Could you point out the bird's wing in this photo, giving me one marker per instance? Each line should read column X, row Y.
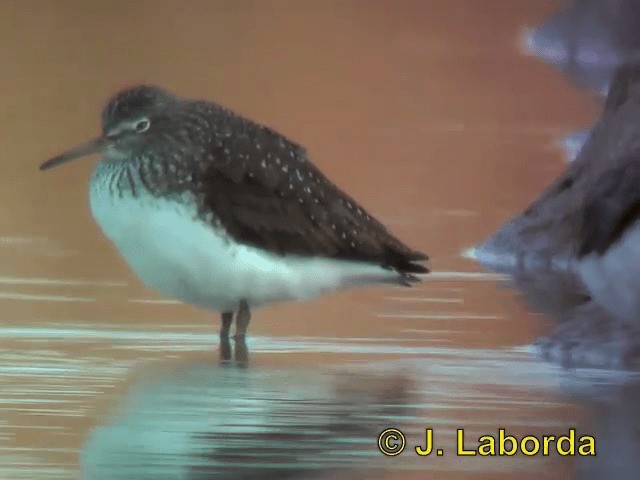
column 612, row 206
column 264, row 191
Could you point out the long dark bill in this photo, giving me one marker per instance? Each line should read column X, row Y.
column 94, row 146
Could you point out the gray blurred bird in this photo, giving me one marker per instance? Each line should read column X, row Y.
column 586, row 225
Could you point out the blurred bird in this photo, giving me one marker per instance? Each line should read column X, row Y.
column 586, row 225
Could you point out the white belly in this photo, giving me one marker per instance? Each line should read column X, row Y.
column 186, row 259
column 613, row 279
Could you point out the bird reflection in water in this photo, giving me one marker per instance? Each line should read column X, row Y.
column 614, row 407
column 586, row 335
column 208, row 423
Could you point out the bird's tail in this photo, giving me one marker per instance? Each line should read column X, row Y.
column 408, row 265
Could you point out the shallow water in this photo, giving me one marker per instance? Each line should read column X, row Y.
column 425, row 111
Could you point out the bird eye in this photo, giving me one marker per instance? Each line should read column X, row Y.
column 143, row 125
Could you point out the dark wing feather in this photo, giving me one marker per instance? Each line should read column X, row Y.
column 625, row 85
column 611, row 207
column 266, row 193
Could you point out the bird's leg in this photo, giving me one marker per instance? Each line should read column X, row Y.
column 242, row 320
column 227, row 320
column 225, row 346
column 225, row 350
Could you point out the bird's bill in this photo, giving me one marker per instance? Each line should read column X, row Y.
column 94, row 146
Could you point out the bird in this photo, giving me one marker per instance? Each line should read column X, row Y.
column 217, row 211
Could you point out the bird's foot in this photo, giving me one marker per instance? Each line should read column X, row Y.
column 242, row 351
column 225, row 349
column 225, row 345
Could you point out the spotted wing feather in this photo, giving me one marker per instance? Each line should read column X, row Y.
column 266, row 193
